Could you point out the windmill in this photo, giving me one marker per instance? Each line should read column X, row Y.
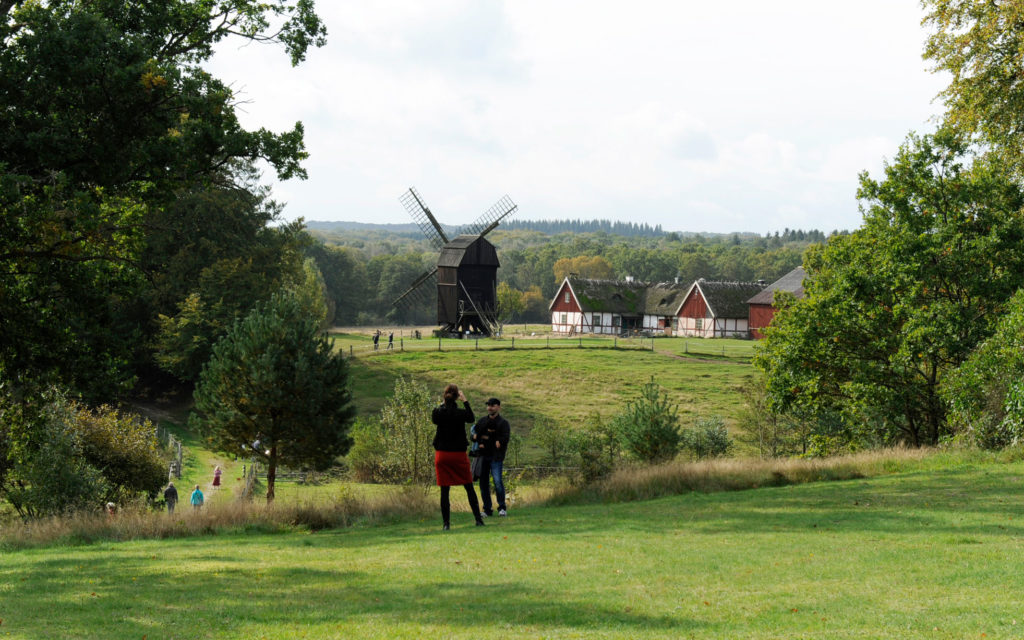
column 466, row 274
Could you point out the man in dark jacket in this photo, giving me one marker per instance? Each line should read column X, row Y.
column 170, row 497
column 492, row 432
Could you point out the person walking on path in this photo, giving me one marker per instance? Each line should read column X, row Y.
column 170, row 497
column 376, row 339
column 197, row 499
column 451, row 464
column 391, row 340
column 216, row 476
column 492, row 432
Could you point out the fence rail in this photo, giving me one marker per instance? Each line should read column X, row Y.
column 502, row 344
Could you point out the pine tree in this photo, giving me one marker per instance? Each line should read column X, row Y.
column 274, row 379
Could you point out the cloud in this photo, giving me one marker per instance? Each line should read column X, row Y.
column 699, row 117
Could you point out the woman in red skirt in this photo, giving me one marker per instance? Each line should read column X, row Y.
column 450, row 460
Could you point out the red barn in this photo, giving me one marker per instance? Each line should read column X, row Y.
column 762, row 306
column 716, row 309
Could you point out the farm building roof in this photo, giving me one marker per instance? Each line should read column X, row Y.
column 469, row 249
column 792, row 282
column 627, row 297
column 664, row 298
column 727, row 299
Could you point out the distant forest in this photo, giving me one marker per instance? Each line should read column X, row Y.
column 628, row 229
column 367, row 266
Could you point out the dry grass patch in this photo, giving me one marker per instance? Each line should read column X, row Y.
column 132, row 524
column 733, row 474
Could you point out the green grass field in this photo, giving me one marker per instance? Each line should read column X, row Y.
column 566, row 383
column 929, row 553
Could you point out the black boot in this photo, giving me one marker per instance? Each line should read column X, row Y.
column 479, row 521
column 446, row 527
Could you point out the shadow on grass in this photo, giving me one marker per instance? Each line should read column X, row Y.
column 239, row 596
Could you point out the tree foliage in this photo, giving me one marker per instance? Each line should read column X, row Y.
column 405, row 420
column 274, row 378
column 981, row 45
column 892, row 308
column 595, row 267
column 648, row 427
column 58, row 456
column 986, row 394
column 106, row 120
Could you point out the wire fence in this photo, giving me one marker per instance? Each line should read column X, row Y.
column 499, row 344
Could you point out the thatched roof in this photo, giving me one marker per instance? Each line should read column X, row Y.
column 792, row 282
column 627, row 297
column 728, row 299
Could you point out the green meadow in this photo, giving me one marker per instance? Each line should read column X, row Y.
column 929, row 552
column 920, row 546
column 564, row 380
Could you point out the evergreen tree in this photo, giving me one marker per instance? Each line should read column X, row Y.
column 274, row 379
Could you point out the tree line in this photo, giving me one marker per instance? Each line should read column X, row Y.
column 365, row 272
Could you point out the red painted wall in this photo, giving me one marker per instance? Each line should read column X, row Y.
column 560, row 304
column 760, row 316
column 694, row 307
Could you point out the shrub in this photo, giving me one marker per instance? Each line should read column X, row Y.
column 552, row 438
column 985, row 394
column 395, row 445
column 595, row 448
column 58, row 456
column 708, row 438
column 649, row 427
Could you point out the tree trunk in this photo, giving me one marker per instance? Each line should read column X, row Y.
column 271, row 473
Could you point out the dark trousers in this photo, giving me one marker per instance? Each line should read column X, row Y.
column 492, row 469
column 446, row 507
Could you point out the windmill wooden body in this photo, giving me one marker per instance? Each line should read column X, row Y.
column 466, row 274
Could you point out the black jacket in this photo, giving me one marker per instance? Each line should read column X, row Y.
column 489, row 432
column 451, row 424
column 171, row 494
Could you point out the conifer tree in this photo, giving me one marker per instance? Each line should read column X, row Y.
column 273, row 386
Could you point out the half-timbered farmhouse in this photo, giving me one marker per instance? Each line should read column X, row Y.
column 762, row 306
column 584, row 305
column 716, row 309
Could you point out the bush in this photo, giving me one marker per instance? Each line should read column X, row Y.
column 554, row 439
column 595, row 448
column 708, row 438
column 985, row 394
column 395, row 446
column 57, row 456
column 649, row 427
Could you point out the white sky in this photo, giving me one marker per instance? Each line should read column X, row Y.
column 743, row 115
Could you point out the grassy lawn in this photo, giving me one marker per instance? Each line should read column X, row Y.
column 563, row 384
column 924, row 554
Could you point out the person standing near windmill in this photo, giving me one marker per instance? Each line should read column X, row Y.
column 451, row 464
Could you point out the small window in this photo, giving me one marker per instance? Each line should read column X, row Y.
column 597, row 320
column 564, row 319
column 698, row 324
column 616, row 321
column 566, row 297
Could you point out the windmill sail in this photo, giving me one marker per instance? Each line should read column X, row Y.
column 417, row 290
column 422, row 216
column 489, row 219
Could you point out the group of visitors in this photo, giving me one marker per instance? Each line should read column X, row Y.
column 197, row 499
column 490, row 437
column 376, row 340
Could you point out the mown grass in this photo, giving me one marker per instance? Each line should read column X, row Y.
column 563, row 385
column 924, row 553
